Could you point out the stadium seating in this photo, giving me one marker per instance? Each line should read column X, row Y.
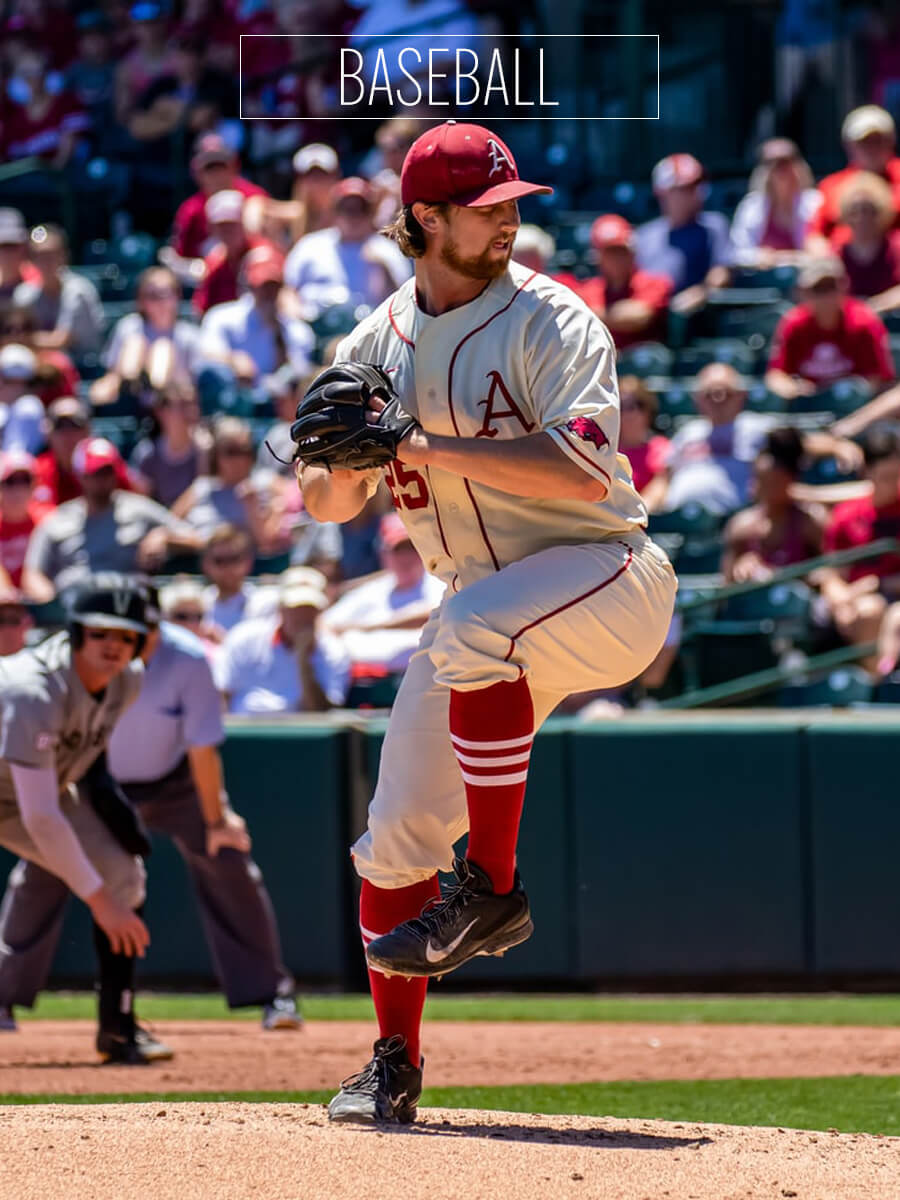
column 839, row 689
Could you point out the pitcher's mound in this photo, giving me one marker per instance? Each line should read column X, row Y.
column 233, row 1151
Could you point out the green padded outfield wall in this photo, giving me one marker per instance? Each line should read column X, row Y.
column 722, row 847
column 690, row 849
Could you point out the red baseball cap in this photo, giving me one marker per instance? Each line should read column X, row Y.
column 263, row 264
column 611, row 230
column 353, row 186
column 16, row 462
column 462, row 164
column 93, row 454
column 677, row 170
column 392, row 532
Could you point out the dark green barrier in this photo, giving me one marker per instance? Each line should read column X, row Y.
column 544, row 863
column 689, row 849
column 856, row 846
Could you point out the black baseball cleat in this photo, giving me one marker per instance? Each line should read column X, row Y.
column 468, row 920
column 386, row 1090
column 133, row 1049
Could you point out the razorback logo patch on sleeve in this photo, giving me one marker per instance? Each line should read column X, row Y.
column 589, row 431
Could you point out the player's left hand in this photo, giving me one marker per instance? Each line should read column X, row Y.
column 231, row 832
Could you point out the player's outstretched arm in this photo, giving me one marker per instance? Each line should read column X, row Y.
column 531, row 466
column 335, row 495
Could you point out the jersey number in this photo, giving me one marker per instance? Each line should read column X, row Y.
column 407, row 487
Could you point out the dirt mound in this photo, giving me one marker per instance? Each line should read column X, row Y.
column 58, row 1057
column 232, row 1151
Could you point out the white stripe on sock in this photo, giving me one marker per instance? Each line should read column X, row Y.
column 494, row 780
column 499, row 760
column 506, row 744
column 368, row 935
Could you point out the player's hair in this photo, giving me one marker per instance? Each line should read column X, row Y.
column 879, row 443
column 225, row 535
column 406, row 231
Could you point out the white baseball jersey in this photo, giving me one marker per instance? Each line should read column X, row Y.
column 526, row 356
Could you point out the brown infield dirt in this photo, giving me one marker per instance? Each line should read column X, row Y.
column 285, row 1151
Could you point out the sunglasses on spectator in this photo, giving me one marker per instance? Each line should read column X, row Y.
column 780, row 160
column 234, row 451
column 228, row 560
column 632, row 404
column 11, row 620
column 862, row 208
column 159, row 294
column 119, row 635
column 824, row 287
column 186, row 618
column 717, row 393
column 70, row 423
column 17, row 479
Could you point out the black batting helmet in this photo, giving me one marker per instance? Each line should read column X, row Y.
column 108, row 600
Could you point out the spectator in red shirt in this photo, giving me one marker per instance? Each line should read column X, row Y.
column 870, row 139
column 14, row 265
column 19, row 514
column 214, row 167
column 45, row 125
column 55, row 481
column 631, row 302
column 647, row 452
column 224, row 217
column 868, row 247
column 827, row 337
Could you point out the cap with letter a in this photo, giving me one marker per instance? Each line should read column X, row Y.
column 462, row 164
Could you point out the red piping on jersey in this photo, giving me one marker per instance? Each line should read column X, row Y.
column 587, row 458
column 396, row 328
column 562, row 608
column 471, row 333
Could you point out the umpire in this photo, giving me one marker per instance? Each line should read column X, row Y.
column 58, row 705
column 164, row 752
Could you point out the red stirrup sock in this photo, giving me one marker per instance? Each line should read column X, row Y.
column 492, row 730
column 398, row 1002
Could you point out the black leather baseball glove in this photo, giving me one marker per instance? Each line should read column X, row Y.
column 331, row 429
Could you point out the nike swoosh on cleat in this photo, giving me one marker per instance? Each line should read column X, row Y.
column 436, row 955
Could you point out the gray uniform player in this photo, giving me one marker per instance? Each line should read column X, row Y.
column 165, row 754
column 58, row 705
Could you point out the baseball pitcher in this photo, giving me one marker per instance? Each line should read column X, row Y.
column 487, row 395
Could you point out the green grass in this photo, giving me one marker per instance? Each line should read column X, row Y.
column 855, row 1103
column 788, row 1010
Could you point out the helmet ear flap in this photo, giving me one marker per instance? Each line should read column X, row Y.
column 76, row 635
column 139, row 645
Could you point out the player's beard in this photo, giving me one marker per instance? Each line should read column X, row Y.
column 481, row 266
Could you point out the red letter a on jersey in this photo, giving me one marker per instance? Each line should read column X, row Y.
column 490, row 413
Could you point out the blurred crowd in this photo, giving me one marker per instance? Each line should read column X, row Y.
column 152, row 433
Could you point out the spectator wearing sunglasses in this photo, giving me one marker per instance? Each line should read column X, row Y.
column 867, row 244
column 828, row 336
column 214, row 167
column 771, row 222
column 645, row 450
column 69, row 423
column 711, row 458
column 168, row 461
column 19, row 514
column 235, row 492
column 230, row 597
